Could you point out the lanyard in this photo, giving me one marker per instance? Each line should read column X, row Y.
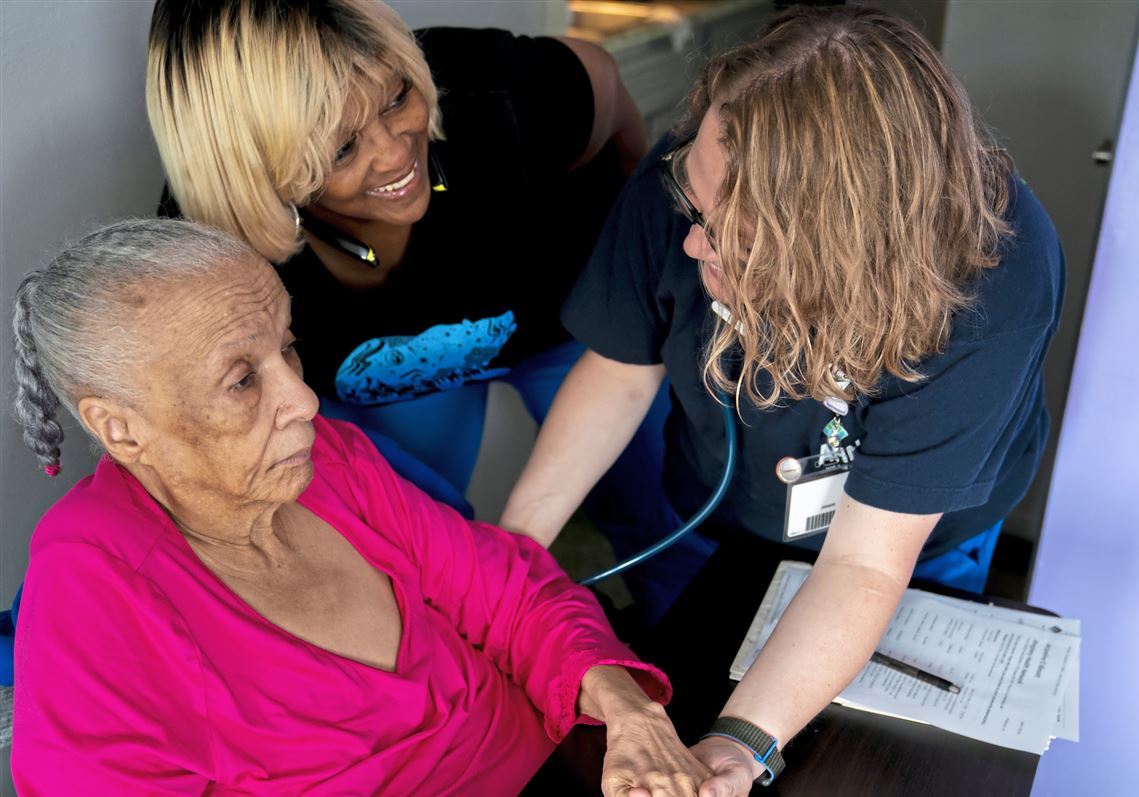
column 833, row 432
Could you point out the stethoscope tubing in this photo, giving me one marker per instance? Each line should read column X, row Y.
column 701, row 514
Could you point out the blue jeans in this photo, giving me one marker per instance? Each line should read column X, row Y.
column 966, row 566
column 433, row 442
column 8, row 641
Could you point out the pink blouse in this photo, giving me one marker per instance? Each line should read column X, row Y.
column 139, row 672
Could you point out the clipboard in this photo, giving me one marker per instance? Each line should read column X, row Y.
column 1020, row 677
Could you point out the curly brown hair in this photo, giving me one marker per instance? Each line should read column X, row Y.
column 861, row 201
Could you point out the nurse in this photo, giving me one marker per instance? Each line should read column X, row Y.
column 833, row 247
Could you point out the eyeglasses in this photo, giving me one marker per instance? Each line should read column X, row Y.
column 673, row 170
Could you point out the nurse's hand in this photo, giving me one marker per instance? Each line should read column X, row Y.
column 734, row 766
column 645, row 758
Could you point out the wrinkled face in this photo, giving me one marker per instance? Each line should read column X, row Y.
column 380, row 172
column 226, row 418
column 704, row 168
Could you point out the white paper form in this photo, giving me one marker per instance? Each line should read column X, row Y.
column 1012, row 676
column 1018, row 671
column 1068, row 716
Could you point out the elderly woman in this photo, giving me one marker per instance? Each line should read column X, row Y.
column 428, row 199
column 244, row 599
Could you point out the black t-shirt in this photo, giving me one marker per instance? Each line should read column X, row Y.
column 488, row 266
column 966, row 441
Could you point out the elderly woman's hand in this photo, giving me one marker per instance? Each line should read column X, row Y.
column 644, row 756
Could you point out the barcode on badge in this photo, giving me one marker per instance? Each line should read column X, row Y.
column 818, row 522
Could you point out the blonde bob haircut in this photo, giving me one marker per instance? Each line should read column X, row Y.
column 250, row 99
column 860, row 203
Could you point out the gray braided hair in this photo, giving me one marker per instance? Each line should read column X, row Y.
column 71, row 319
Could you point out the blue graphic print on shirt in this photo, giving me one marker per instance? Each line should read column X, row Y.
column 445, row 356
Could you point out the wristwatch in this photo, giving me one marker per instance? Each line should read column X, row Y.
column 763, row 745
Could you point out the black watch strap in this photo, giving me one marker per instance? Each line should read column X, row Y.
column 763, row 745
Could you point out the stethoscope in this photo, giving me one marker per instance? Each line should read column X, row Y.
column 701, row 514
column 833, row 432
column 714, row 499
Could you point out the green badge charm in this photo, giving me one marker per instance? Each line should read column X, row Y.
column 834, row 432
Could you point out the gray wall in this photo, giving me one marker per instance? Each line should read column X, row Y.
column 75, row 151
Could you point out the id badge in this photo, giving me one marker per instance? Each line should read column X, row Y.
column 812, row 500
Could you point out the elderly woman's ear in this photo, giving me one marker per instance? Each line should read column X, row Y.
column 115, row 426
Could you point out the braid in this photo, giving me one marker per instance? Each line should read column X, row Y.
column 36, row 402
column 72, row 318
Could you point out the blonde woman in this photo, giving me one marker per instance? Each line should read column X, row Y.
column 429, row 199
column 835, row 249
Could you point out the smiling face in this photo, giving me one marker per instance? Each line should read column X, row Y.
column 225, row 420
column 703, row 169
column 379, row 173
